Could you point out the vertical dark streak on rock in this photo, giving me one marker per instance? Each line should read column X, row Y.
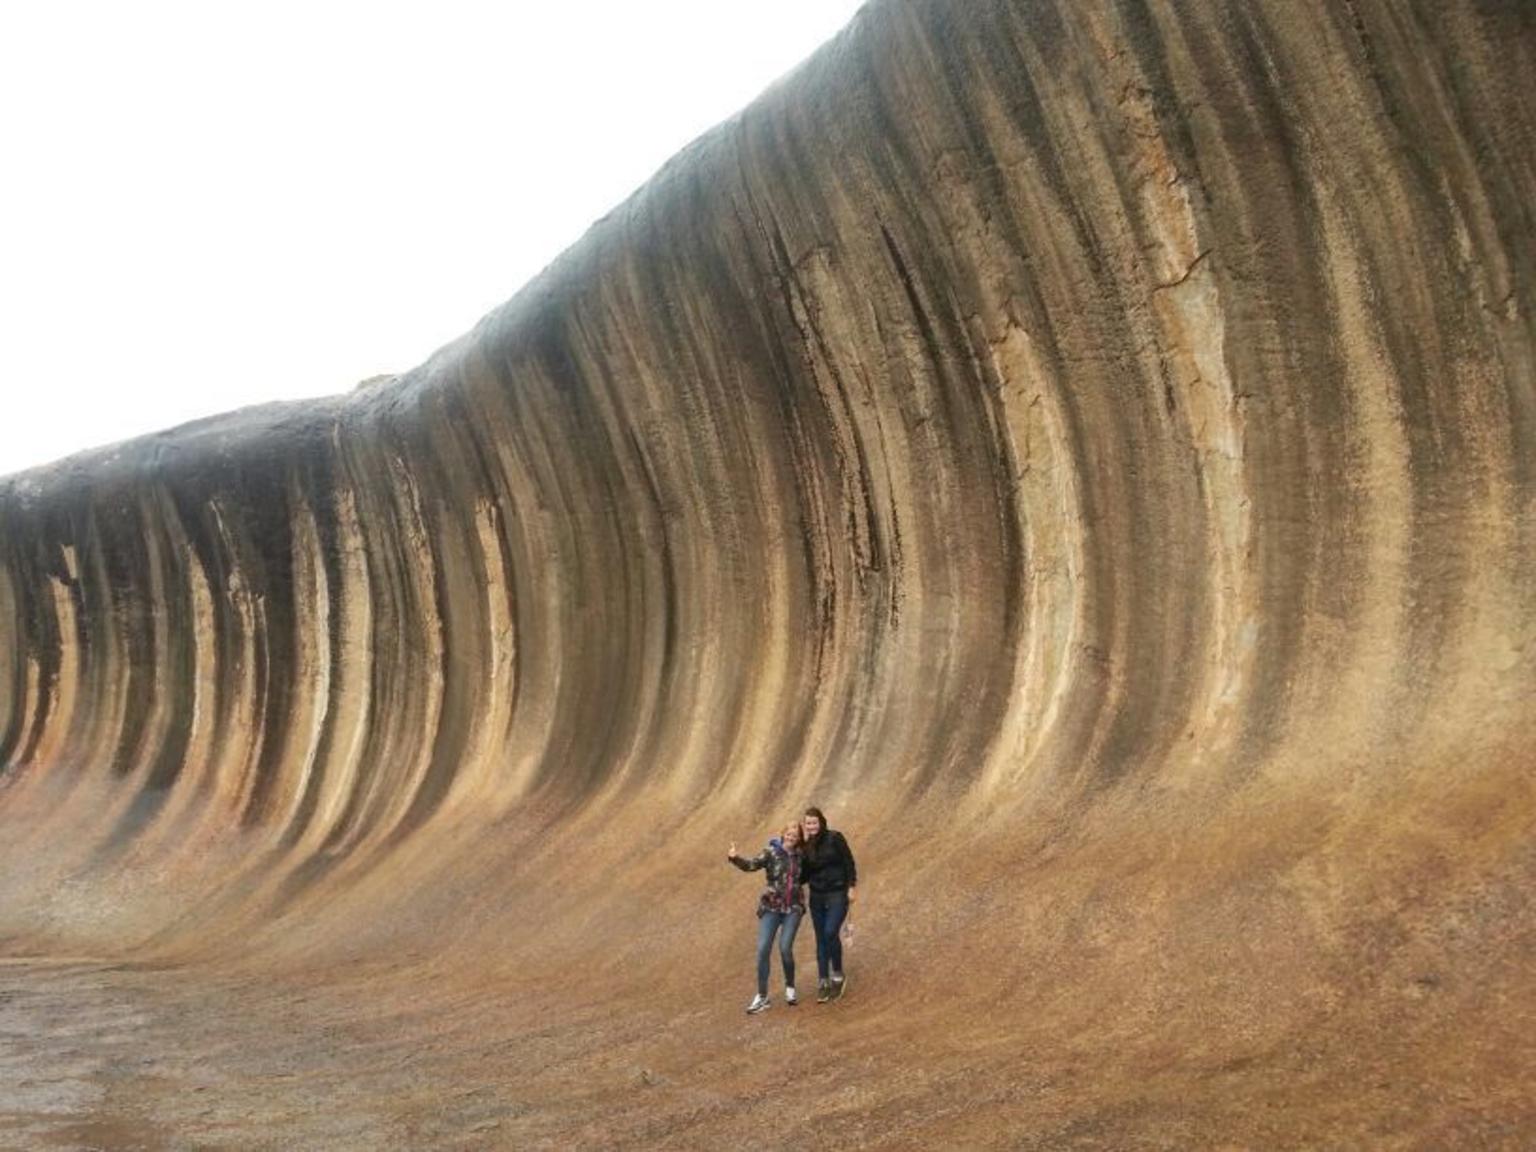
column 811, row 500
column 271, row 560
column 318, row 478
column 1271, row 241
column 167, row 765
column 604, row 700
column 12, row 652
column 503, row 499
column 168, row 761
column 666, row 659
column 79, row 635
column 963, row 756
column 364, row 472
column 119, row 532
column 454, row 497
column 39, row 647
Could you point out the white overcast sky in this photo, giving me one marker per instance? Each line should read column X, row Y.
column 208, row 205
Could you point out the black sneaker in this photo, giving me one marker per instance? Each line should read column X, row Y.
column 838, row 984
column 823, row 991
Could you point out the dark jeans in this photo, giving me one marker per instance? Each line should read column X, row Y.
column 828, row 911
column 767, row 924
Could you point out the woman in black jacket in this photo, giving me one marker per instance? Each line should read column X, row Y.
column 833, row 879
column 779, row 909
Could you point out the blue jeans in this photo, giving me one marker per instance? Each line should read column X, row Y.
column 768, row 924
column 828, row 911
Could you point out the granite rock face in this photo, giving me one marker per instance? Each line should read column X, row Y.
column 1089, row 448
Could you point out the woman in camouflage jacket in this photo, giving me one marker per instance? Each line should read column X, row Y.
column 779, row 909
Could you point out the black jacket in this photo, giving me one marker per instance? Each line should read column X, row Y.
column 829, row 864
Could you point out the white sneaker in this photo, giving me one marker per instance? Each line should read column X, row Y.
column 790, row 998
column 759, row 1002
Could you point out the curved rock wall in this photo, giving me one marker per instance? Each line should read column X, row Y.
column 1024, row 412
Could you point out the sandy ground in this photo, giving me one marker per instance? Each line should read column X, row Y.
column 1108, row 991
column 103, row 1056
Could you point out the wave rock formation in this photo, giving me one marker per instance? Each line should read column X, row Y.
column 1090, row 449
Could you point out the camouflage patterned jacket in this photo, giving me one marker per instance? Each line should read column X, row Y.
column 785, row 889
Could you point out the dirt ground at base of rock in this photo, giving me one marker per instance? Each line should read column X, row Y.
column 112, row 1056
